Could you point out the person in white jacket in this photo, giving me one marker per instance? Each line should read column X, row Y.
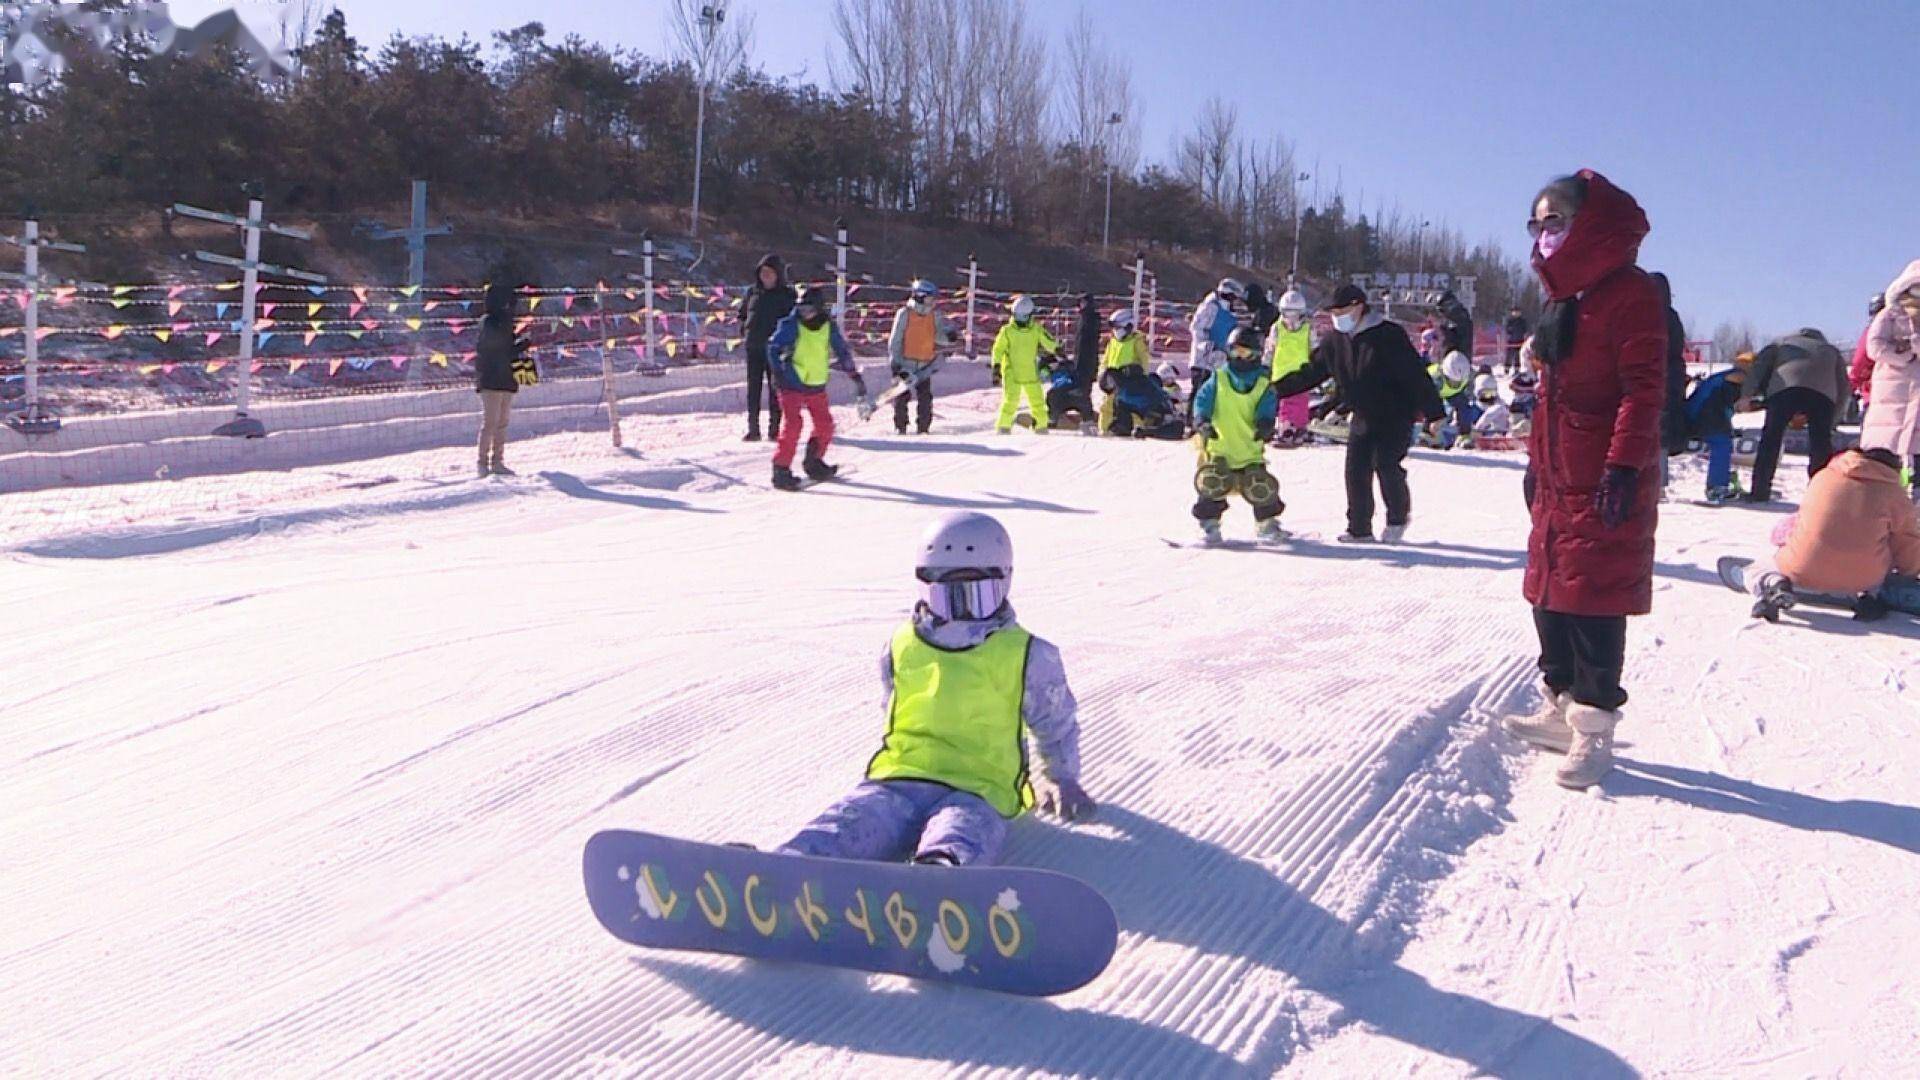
column 1893, row 343
column 1495, row 417
column 1215, row 319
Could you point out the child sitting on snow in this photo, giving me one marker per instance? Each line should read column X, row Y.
column 1856, row 535
column 967, row 690
column 1495, row 418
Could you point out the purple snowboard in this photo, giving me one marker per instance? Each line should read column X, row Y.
column 1006, row 928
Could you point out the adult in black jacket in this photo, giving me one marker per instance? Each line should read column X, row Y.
column 1379, row 378
column 768, row 301
column 493, row 357
column 1262, row 312
column 1516, row 330
column 1673, row 419
column 1086, row 344
column 1456, row 325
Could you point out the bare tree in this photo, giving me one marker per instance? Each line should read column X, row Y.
column 1097, row 87
column 1205, row 156
column 713, row 59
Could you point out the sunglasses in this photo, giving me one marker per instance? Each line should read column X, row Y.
column 1552, row 223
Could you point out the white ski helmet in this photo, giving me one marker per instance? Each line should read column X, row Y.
column 965, row 566
column 1486, row 388
column 1122, row 321
column 1231, row 287
column 1022, row 308
column 1292, row 303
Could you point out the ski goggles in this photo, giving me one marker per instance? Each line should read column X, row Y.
column 962, row 594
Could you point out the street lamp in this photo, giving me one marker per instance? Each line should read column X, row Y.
column 1294, row 271
column 1106, row 228
column 1420, row 245
column 711, row 16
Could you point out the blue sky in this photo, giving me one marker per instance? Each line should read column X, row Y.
column 1771, row 141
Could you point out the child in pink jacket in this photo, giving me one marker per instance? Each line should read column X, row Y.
column 1855, row 535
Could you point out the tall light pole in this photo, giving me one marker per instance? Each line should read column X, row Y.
column 1293, row 273
column 1106, row 228
column 1420, row 246
column 711, row 16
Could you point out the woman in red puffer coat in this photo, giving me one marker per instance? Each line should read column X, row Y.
column 1592, row 482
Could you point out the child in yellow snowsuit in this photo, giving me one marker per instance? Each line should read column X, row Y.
column 1016, row 358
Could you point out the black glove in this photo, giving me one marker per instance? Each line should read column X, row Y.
column 1207, row 432
column 1613, row 499
column 900, row 372
column 859, row 383
column 1264, row 431
column 1108, row 382
column 996, row 376
column 1527, row 486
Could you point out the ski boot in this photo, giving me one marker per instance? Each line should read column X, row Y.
column 784, row 479
column 499, row 469
column 1355, row 538
column 1721, row 496
column 486, row 469
column 752, row 435
column 1210, row 531
column 1393, row 534
column 935, row 858
column 818, row 469
column 1776, row 596
column 1270, row 532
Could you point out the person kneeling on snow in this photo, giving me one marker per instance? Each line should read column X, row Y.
column 804, row 349
column 1016, row 357
column 1495, row 418
column 1856, row 535
column 968, row 691
column 1234, row 414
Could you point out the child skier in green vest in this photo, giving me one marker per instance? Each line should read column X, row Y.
column 968, row 689
column 1235, row 416
column 1016, row 356
column 805, row 348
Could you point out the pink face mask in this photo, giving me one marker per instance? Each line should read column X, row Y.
column 1550, row 242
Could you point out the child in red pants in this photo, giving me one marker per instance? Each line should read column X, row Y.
column 804, row 349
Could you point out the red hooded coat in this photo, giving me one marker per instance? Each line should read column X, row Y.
column 1598, row 407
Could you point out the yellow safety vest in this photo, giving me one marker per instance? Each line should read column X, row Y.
column 812, row 351
column 955, row 717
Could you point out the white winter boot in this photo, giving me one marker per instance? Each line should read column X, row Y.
column 1591, row 756
column 1545, row 727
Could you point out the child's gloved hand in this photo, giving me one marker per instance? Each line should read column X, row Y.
column 1064, row 799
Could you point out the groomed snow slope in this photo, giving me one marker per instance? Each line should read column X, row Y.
column 303, row 791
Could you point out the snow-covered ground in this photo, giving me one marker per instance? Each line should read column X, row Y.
column 297, row 767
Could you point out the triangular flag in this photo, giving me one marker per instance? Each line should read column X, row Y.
column 413, row 324
column 333, row 368
column 225, row 286
column 163, row 335
column 264, row 338
column 148, row 369
column 294, row 364
column 356, row 334
column 533, row 304
column 361, row 292
column 257, row 365
column 8, row 331
column 672, row 348
column 44, row 332
column 369, row 324
column 456, row 326
column 399, row 361
column 215, row 365
column 113, row 331
column 314, row 309
column 119, row 304
column 438, row 359
column 566, row 321
column 409, row 291
column 214, row 338
column 354, row 310
column 307, row 338
column 568, row 302
column 122, row 290
column 220, row 310
column 178, row 289
column 430, row 305
column 173, row 308
column 734, row 343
